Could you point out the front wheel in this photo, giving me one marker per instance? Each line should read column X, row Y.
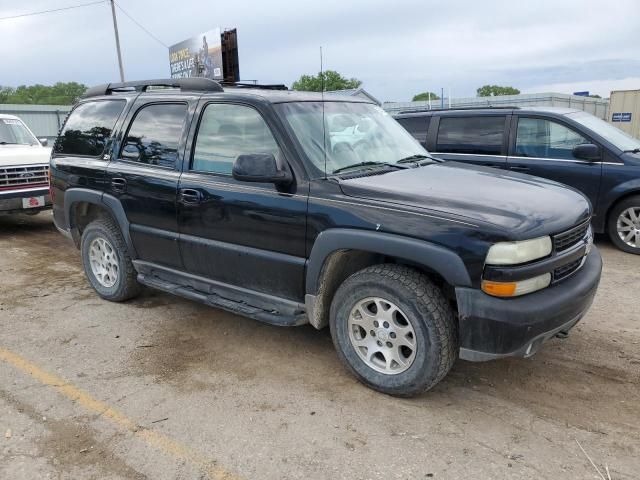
column 624, row 225
column 393, row 329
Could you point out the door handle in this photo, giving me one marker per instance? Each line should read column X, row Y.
column 190, row 196
column 118, row 184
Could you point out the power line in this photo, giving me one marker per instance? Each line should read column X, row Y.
column 52, row 10
column 139, row 25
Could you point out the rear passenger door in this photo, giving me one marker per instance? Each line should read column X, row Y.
column 476, row 139
column 544, row 147
column 144, row 174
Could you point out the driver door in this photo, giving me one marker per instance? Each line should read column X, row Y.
column 249, row 235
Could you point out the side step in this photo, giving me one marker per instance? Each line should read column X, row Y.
column 239, row 307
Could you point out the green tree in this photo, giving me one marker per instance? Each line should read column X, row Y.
column 424, row 96
column 332, row 81
column 594, row 96
column 495, row 90
column 61, row 93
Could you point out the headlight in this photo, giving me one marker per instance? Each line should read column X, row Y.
column 513, row 253
column 514, row 289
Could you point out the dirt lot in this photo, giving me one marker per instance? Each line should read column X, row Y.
column 164, row 388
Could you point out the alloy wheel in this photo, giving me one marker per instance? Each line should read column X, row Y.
column 628, row 226
column 104, row 262
column 382, row 335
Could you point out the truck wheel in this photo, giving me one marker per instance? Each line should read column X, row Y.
column 393, row 328
column 106, row 261
column 624, row 225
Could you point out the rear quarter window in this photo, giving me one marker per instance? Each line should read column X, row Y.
column 482, row 135
column 88, row 128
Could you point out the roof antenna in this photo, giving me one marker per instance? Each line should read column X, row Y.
column 324, row 128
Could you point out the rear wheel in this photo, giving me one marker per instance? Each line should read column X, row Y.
column 624, row 225
column 106, row 261
column 393, row 329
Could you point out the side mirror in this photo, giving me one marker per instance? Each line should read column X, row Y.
column 43, row 141
column 261, row 167
column 131, row 152
column 587, row 151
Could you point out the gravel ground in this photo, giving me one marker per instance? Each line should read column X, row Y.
column 164, row 388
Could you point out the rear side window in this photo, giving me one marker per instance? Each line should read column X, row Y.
column 474, row 135
column 154, row 134
column 88, row 128
column 416, row 126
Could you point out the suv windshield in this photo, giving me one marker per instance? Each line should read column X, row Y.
column 357, row 134
column 607, row 131
column 13, row 132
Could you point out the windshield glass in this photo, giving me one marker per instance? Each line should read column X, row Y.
column 613, row 134
column 355, row 133
column 13, row 131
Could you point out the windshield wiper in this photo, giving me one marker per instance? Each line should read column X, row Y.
column 8, row 143
column 415, row 158
column 368, row 164
column 635, row 150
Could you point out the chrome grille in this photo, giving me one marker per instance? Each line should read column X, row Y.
column 565, row 240
column 23, row 177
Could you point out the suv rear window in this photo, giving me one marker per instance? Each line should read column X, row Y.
column 474, row 135
column 88, row 128
column 416, row 126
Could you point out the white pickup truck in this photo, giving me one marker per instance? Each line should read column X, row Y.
column 24, row 169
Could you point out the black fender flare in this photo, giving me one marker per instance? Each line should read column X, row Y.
column 435, row 257
column 110, row 203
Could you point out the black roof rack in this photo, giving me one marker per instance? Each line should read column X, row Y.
column 275, row 86
column 194, row 84
column 480, row 107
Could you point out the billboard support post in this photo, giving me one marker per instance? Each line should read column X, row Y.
column 115, row 31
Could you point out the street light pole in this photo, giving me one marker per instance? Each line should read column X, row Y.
column 115, row 31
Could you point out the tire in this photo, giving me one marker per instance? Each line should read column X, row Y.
column 620, row 216
column 417, row 306
column 118, row 282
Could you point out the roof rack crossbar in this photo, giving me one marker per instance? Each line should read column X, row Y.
column 480, row 107
column 275, row 86
column 194, row 84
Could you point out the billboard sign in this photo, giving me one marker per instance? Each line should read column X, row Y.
column 621, row 117
column 581, row 94
column 200, row 56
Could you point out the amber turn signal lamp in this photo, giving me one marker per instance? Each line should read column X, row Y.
column 499, row 289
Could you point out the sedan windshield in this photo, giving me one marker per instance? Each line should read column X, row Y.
column 607, row 131
column 13, row 132
column 355, row 135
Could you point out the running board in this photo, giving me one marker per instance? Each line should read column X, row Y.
column 261, row 307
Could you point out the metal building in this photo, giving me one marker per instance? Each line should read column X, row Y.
column 595, row 106
column 43, row 120
column 624, row 111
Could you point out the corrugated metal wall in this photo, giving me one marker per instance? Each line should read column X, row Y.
column 625, row 104
column 595, row 106
column 43, row 120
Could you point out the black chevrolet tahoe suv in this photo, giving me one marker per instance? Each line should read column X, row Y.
column 562, row 144
column 294, row 208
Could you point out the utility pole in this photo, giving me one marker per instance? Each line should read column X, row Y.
column 115, row 31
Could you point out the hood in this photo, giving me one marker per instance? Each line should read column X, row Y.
column 18, row 155
column 523, row 205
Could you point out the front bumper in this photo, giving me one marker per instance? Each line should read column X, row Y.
column 492, row 327
column 11, row 201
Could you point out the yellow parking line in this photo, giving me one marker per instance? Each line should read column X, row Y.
column 150, row 437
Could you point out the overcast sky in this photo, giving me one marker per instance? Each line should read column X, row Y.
column 397, row 48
